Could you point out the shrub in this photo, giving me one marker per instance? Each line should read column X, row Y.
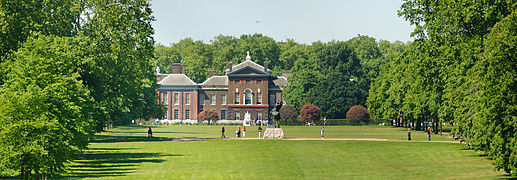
column 210, row 116
column 310, row 113
column 288, row 113
column 357, row 114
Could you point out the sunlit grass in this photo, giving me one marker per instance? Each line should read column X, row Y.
column 125, row 153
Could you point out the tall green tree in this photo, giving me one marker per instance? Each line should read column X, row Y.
column 122, row 79
column 46, row 112
column 498, row 100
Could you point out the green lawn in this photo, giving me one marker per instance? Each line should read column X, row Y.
column 137, row 133
column 125, row 153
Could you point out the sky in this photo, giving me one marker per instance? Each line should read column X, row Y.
column 304, row 21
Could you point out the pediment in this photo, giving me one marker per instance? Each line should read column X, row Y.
column 248, row 71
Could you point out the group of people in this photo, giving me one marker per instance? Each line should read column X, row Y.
column 428, row 131
column 238, row 131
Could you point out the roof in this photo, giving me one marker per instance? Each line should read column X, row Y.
column 177, row 80
column 249, row 63
column 280, row 81
column 216, row 80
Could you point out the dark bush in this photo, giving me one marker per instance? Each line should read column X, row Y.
column 310, row 113
column 358, row 115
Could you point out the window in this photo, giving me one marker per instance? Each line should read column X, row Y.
column 187, row 98
column 202, row 99
column 247, row 96
column 247, row 81
column 259, row 81
column 187, row 114
column 237, row 115
column 212, row 99
column 176, row 114
column 176, row 99
column 272, row 99
column 259, row 116
column 259, row 98
column 223, row 114
column 237, row 98
column 223, row 99
column 165, row 114
column 237, row 81
column 164, row 98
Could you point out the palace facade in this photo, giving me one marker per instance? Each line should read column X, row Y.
column 245, row 88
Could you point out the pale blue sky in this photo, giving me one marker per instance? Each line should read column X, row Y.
column 305, row 21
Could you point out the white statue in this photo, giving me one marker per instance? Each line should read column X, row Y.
column 247, row 119
column 157, row 70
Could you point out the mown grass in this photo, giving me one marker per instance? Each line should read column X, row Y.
column 129, row 157
column 139, row 133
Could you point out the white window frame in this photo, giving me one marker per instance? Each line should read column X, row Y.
column 176, row 99
column 248, row 94
column 165, row 99
column 213, row 99
column 223, row 99
column 187, row 114
column 187, row 98
column 237, row 115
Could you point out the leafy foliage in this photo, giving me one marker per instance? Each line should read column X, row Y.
column 57, row 91
column 310, row 113
column 459, row 70
column 358, row 114
column 288, row 112
column 46, row 112
column 208, row 115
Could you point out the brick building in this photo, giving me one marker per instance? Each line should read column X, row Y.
column 245, row 87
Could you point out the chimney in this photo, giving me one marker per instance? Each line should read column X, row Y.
column 176, row 68
column 183, row 69
column 286, row 74
column 229, row 66
column 265, row 66
column 211, row 73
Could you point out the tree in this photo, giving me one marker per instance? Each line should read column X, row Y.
column 46, row 113
column 165, row 56
column 21, row 17
column 358, row 114
column 310, row 113
column 498, row 77
column 288, row 113
column 457, row 46
column 122, row 80
column 343, row 84
column 208, row 115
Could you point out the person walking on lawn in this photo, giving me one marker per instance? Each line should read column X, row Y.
column 409, row 134
column 428, row 134
column 243, row 131
column 259, row 130
column 238, row 131
column 150, row 133
column 222, row 132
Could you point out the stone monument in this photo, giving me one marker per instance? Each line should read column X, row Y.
column 274, row 131
column 247, row 119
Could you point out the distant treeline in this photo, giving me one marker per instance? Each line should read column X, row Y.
column 334, row 76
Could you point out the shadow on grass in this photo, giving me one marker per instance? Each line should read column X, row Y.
column 506, row 176
column 111, row 139
column 110, row 162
